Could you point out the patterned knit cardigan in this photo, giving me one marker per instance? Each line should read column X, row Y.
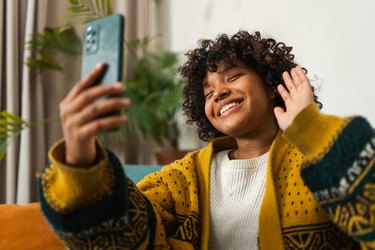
column 319, row 194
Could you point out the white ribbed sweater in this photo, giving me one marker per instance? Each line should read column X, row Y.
column 236, row 193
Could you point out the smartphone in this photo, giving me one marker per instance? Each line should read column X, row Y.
column 103, row 41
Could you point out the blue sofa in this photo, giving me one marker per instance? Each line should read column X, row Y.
column 137, row 172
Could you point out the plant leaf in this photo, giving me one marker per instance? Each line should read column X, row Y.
column 5, row 115
column 2, row 152
column 48, row 44
column 155, row 91
column 65, row 41
column 43, row 64
column 10, row 127
column 83, row 11
column 158, row 2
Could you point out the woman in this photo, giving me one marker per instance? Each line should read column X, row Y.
column 277, row 174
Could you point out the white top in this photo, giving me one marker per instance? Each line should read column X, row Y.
column 236, row 193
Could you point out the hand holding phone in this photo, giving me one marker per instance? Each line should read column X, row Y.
column 82, row 115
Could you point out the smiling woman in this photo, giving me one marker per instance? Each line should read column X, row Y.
column 271, row 151
column 262, row 56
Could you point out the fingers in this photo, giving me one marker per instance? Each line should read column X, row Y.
column 295, row 79
column 300, row 77
column 289, row 82
column 279, row 112
column 83, row 117
column 285, row 95
column 89, row 96
column 100, row 125
column 296, row 95
column 89, row 121
column 86, row 81
column 98, row 109
column 295, row 75
column 282, row 118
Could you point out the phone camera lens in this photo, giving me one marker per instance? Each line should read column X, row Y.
column 89, row 29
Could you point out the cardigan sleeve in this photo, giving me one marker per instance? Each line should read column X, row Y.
column 99, row 207
column 339, row 169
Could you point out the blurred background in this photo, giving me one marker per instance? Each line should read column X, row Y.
column 331, row 39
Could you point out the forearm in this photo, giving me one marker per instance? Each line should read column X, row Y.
column 95, row 203
column 339, row 168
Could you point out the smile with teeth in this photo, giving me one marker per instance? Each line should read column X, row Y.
column 228, row 106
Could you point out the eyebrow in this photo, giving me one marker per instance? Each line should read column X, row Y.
column 227, row 68
column 205, row 83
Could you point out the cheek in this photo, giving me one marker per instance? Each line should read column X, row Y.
column 206, row 109
column 262, row 96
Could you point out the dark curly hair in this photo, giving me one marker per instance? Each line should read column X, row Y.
column 264, row 55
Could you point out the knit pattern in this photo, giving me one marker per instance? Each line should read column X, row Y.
column 174, row 193
column 305, row 225
column 119, row 220
column 317, row 236
column 346, row 185
column 64, row 193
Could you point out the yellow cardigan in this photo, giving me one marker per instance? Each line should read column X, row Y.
column 99, row 208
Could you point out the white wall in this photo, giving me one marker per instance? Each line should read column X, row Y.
column 334, row 40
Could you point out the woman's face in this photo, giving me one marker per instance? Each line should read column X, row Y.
column 237, row 101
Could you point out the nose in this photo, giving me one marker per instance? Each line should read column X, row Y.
column 220, row 93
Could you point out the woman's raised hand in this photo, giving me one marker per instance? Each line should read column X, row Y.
column 82, row 118
column 298, row 96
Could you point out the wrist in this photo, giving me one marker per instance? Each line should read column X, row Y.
column 313, row 132
column 82, row 156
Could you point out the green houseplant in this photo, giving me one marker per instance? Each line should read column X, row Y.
column 155, row 92
column 154, row 88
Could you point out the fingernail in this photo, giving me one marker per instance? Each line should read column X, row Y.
column 118, row 85
column 123, row 118
column 99, row 65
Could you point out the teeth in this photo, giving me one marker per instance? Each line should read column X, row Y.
column 228, row 106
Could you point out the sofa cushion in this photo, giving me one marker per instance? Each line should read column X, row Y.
column 137, row 172
column 23, row 227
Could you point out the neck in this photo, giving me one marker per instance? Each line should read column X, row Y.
column 254, row 146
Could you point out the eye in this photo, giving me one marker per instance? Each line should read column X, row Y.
column 234, row 77
column 208, row 94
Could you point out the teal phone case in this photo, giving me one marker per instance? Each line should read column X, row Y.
column 103, row 41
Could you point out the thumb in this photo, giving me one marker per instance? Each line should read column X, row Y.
column 279, row 112
column 280, row 117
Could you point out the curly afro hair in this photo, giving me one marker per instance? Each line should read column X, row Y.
column 264, row 55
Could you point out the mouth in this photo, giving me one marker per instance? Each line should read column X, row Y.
column 228, row 107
